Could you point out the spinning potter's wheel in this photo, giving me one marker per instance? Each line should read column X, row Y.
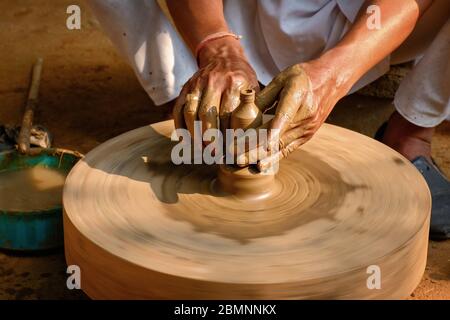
column 141, row 227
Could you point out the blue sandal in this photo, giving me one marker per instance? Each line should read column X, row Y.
column 440, row 193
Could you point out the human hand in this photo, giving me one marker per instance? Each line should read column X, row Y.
column 305, row 95
column 215, row 88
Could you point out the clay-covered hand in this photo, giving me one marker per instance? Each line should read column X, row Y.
column 215, row 88
column 304, row 95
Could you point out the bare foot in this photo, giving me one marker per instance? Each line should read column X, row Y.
column 407, row 138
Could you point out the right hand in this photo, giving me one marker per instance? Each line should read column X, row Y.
column 214, row 89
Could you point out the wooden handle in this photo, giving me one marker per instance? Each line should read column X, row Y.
column 27, row 121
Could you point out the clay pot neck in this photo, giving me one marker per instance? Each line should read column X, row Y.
column 247, row 115
column 247, row 96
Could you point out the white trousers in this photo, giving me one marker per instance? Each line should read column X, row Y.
column 423, row 97
column 276, row 34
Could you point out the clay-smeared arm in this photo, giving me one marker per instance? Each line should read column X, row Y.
column 307, row 92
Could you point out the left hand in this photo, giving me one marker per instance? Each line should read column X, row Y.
column 306, row 94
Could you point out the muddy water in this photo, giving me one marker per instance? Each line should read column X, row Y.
column 36, row 188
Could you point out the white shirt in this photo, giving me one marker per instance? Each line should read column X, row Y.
column 276, row 34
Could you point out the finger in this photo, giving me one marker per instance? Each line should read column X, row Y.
column 209, row 109
column 230, row 101
column 191, row 110
column 255, row 155
column 290, row 141
column 251, row 156
column 288, row 105
column 177, row 112
column 295, row 133
column 308, row 108
column 304, row 129
column 267, row 163
column 290, row 101
column 267, row 96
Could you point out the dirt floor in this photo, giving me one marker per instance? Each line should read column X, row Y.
column 88, row 95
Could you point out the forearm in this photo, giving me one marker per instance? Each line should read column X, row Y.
column 362, row 47
column 196, row 19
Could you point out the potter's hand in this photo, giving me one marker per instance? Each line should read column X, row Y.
column 304, row 95
column 214, row 89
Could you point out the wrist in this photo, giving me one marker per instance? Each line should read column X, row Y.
column 226, row 47
column 338, row 69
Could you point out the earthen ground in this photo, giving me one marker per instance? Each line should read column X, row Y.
column 89, row 94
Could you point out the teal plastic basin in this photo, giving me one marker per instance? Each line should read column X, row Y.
column 34, row 230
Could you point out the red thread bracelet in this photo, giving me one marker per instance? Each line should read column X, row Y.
column 214, row 36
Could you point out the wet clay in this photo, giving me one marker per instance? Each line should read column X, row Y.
column 31, row 189
column 284, row 89
column 336, row 206
column 247, row 115
column 246, row 183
